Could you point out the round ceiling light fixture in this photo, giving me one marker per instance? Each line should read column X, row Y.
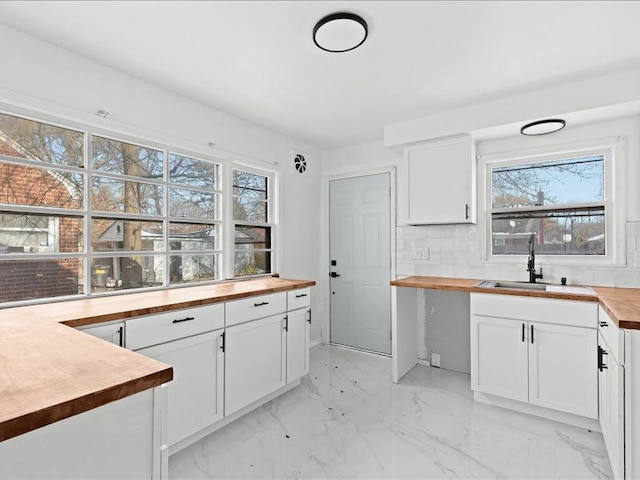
column 543, row 127
column 340, row 32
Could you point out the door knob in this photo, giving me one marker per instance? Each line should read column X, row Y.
column 334, row 275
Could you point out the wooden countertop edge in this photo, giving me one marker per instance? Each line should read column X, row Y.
column 128, row 313
column 54, row 413
column 602, row 294
column 41, row 417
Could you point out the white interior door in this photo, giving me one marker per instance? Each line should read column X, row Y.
column 360, row 255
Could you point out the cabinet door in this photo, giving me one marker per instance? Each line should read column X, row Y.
column 254, row 361
column 612, row 408
column 499, row 357
column 112, row 333
column 441, row 178
column 196, row 392
column 298, row 344
column 604, row 404
column 563, row 368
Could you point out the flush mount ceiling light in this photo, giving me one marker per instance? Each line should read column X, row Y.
column 543, row 127
column 340, row 32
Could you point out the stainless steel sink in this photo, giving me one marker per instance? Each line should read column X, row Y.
column 536, row 286
column 517, row 285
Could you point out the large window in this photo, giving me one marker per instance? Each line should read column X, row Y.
column 82, row 213
column 560, row 201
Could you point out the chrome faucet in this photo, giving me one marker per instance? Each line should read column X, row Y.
column 531, row 262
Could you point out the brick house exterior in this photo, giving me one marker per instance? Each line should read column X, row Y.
column 31, row 279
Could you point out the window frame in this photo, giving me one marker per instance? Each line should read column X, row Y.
column 272, row 219
column 612, row 149
column 225, row 160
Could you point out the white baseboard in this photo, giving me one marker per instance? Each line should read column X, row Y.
column 315, row 342
column 422, row 361
column 563, row 417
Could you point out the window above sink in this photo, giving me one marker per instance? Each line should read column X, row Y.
column 564, row 195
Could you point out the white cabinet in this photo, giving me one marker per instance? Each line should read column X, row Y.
column 611, row 392
column 298, row 322
column 184, row 339
column 531, row 356
column 252, row 308
column 112, row 333
column 563, row 368
column 255, row 361
column 196, row 392
column 499, row 353
column 119, row 440
column 441, row 181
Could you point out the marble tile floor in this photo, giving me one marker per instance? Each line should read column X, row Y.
column 347, row 420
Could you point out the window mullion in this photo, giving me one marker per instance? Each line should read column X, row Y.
column 88, row 205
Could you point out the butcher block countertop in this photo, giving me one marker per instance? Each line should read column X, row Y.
column 622, row 304
column 49, row 371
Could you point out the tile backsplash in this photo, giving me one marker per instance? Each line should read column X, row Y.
column 453, row 252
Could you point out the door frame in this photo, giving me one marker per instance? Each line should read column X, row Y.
column 325, row 254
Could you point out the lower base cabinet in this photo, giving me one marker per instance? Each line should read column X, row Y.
column 520, row 351
column 563, row 368
column 611, row 396
column 298, row 323
column 255, row 361
column 119, row 440
column 196, row 392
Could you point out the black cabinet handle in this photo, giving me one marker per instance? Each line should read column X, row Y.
column 286, row 323
column 523, row 327
column 223, row 342
column 604, row 324
column 260, row 304
column 309, row 319
column 184, row 320
column 334, row 275
column 301, row 295
column 121, row 334
column 531, row 333
column 601, row 353
column 466, row 211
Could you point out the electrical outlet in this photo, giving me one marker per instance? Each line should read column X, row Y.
column 435, row 360
column 422, row 253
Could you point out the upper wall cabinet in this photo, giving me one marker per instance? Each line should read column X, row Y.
column 441, row 181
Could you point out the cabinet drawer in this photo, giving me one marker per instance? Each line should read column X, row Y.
column 164, row 327
column 252, row 308
column 298, row 298
column 544, row 310
column 612, row 335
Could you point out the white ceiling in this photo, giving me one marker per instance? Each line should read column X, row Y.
column 257, row 60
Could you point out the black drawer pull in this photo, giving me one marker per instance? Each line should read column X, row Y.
column 184, row 320
column 301, row 295
column 604, row 324
column 309, row 319
column 260, row 304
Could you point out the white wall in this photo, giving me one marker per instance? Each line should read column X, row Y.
column 48, row 81
column 454, row 248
